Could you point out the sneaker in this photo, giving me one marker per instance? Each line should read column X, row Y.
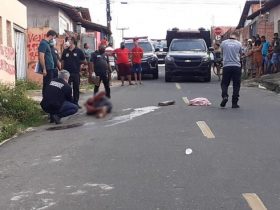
column 235, row 106
column 56, row 119
column 224, row 102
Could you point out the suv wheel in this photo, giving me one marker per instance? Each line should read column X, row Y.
column 155, row 75
column 207, row 78
column 168, row 77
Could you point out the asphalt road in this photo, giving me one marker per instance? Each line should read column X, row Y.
column 151, row 158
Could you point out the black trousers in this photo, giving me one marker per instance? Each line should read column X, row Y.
column 47, row 79
column 105, row 80
column 231, row 73
column 74, row 81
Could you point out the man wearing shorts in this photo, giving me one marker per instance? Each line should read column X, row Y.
column 136, row 58
column 122, row 57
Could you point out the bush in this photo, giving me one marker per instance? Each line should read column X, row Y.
column 17, row 111
column 28, row 85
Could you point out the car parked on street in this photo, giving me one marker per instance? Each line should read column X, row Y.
column 188, row 54
column 149, row 60
column 160, row 45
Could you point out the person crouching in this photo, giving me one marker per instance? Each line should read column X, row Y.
column 57, row 100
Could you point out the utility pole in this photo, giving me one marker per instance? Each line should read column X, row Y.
column 122, row 29
column 109, row 18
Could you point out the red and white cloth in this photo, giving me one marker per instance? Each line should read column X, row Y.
column 200, row 102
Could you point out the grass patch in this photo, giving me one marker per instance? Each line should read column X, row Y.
column 28, row 85
column 17, row 111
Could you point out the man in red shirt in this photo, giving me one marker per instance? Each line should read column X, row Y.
column 136, row 57
column 122, row 57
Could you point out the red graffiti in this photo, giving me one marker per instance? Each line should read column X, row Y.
column 33, row 44
column 7, row 52
column 4, row 65
column 7, row 59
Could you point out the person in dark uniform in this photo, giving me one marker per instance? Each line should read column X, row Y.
column 57, row 64
column 72, row 58
column 99, row 63
column 57, row 100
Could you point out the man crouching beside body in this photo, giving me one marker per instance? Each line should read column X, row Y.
column 57, row 100
column 98, row 105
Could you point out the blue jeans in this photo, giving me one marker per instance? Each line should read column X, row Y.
column 67, row 109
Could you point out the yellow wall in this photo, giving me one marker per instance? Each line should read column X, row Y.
column 16, row 13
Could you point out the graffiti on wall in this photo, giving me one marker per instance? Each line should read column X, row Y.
column 7, row 60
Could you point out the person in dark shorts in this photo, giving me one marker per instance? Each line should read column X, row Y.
column 99, row 64
column 136, row 58
column 99, row 105
column 72, row 58
column 124, row 66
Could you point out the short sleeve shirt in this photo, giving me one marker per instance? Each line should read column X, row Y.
column 100, row 62
column 44, row 47
column 72, row 60
column 137, row 54
column 122, row 55
column 232, row 50
column 265, row 48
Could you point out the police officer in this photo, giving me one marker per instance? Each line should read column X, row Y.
column 99, row 64
column 57, row 64
column 57, row 100
column 72, row 58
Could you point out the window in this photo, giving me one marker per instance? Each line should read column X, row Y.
column 1, row 39
column 9, row 33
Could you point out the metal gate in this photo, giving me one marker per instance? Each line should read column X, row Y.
column 20, row 55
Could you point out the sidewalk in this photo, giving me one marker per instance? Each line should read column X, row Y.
column 270, row 82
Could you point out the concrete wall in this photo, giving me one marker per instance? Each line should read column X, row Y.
column 16, row 13
column 41, row 15
column 274, row 16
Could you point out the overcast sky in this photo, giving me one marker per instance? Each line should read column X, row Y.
column 153, row 17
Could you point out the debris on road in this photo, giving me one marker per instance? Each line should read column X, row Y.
column 166, row 103
column 188, row 151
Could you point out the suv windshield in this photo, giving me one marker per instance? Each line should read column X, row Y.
column 188, row 45
column 159, row 44
column 146, row 46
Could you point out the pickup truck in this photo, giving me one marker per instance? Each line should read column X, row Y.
column 188, row 54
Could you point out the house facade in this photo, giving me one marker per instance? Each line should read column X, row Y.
column 67, row 20
column 12, row 41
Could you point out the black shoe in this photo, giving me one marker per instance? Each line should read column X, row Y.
column 51, row 119
column 78, row 105
column 235, row 106
column 224, row 102
column 56, row 119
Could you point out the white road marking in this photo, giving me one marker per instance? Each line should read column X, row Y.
column 101, row 186
column 178, row 86
column 45, row 192
column 186, row 100
column 205, row 129
column 254, row 201
column 136, row 113
column 78, row 192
